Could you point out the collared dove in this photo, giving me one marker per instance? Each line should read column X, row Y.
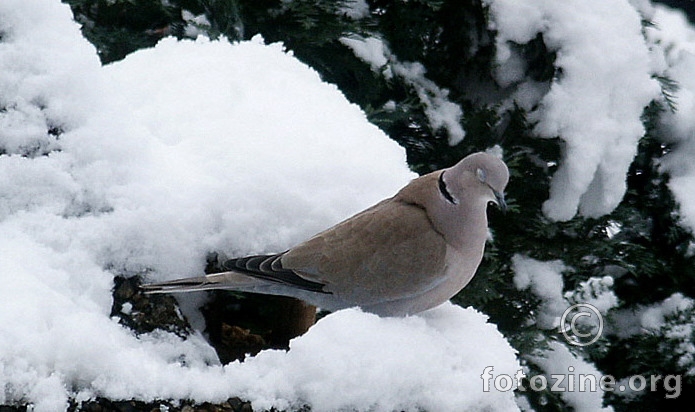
column 404, row 255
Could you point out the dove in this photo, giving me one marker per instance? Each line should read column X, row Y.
column 404, row 255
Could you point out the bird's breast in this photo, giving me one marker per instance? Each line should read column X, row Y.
column 461, row 267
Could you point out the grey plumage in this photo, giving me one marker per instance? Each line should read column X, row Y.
column 406, row 254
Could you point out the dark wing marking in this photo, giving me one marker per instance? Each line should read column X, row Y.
column 444, row 191
column 269, row 267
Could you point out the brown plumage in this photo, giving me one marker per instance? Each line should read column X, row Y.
column 406, row 254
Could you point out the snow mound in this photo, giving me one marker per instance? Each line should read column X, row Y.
column 150, row 163
column 427, row 362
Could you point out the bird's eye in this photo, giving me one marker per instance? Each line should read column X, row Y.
column 481, row 175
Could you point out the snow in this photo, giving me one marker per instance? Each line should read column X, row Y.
column 682, row 334
column 370, row 50
column 355, row 9
column 654, row 317
column 648, row 319
column 596, row 291
column 441, row 112
column 671, row 319
column 545, row 281
column 673, row 38
column 594, row 105
column 381, row 379
column 146, row 165
column 559, row 361
column 194, row 24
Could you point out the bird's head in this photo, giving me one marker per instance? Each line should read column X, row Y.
column 479, row 174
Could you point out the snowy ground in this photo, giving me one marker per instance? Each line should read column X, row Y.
column 148, row 164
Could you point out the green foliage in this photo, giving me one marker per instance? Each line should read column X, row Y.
column 119, row 27
column 225, row 18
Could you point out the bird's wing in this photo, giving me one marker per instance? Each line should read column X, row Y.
column 244, row 274
column 269, row 268
column 387, row 252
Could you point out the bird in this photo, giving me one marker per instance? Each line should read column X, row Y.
column 404, row 255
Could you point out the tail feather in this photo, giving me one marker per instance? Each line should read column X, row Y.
column 225, row 280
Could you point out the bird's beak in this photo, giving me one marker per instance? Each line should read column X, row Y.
column 499, row 197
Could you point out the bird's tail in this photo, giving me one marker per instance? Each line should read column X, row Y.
column 225, row 280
